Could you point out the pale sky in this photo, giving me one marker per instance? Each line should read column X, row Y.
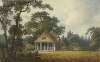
column 76, row 15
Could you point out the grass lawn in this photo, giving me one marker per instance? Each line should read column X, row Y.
column 71, row 56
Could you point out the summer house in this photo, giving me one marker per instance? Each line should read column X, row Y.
column 46, row 42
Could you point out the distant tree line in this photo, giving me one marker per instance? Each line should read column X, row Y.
column 75, row 42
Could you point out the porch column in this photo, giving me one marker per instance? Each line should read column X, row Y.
column 44, row 47
column 50, row 46
column 47, row 46
column 37, row 46
column 34, row 46
column 40, row 46
column 53, row 47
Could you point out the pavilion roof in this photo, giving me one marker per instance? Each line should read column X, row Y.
column 47, row 37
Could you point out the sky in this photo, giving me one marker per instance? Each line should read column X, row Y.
column 75, row 15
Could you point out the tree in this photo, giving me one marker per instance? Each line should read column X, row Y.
column 29, row 39
column 2, row 47
column 5, row 22
column 42, row 21
column 18, row 7
column 94, row 33
column 84, row 43
column 75, row 42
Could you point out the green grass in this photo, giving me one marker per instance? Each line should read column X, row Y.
column 69, row 54
column 62, row 56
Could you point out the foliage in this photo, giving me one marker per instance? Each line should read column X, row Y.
column 75, row 42
column 4, row 14
column 28, row 39
column 17, row 7
column 94, row 33
column 4, row 22
column 2, row 41
column 42, row 21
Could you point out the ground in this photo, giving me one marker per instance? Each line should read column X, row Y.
column 71, row 56
column 62, row 56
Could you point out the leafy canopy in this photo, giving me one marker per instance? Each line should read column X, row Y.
column 95, row 37
column 42, row 21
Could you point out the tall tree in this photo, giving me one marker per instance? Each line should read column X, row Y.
column 2, row 47
column 5, row 22
column 42, row 21
column 18, row 7
column 94, row 33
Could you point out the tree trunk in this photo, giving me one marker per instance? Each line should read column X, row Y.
column 6, row 42
column 4, row 48
column 3, row 54
column 12, row 54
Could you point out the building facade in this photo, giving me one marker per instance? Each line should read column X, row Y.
column 46, row 42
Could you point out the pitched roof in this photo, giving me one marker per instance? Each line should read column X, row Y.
column 47, row 37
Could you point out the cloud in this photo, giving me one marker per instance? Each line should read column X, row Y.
column 77, row 15
column 0, row 2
